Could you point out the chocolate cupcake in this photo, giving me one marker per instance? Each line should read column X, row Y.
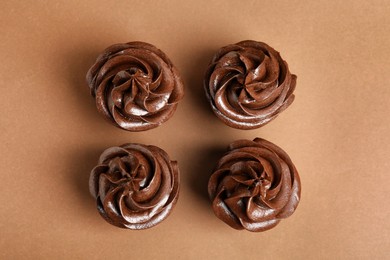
column 135, row 85
column 254, row 186
column 135, row 186
column 248, row 84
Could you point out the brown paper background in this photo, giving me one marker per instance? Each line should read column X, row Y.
column 336, row 131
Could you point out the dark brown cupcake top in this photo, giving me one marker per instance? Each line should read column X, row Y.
column 248, row 84
column 135, row 186
column 135, row 85
column 254, row 185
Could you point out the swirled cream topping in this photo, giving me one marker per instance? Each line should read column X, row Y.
column 135, row 186
column 135, row 85
column 248, row 84
column 254, row 186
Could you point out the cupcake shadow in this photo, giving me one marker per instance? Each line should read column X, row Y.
column 77, row 63
column 193, row 81
column 81, row 163
column 202, row 166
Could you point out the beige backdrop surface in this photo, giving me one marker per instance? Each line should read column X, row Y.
column 336, row 131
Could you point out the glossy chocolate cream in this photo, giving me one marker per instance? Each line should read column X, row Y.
column 135, row 186
column 248, row 84
column 254, row 186
column 135, row 85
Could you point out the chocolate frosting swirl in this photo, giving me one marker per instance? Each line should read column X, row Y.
column 135, row 186
column 135, row 85
column 254, row 185
column 248, row 84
